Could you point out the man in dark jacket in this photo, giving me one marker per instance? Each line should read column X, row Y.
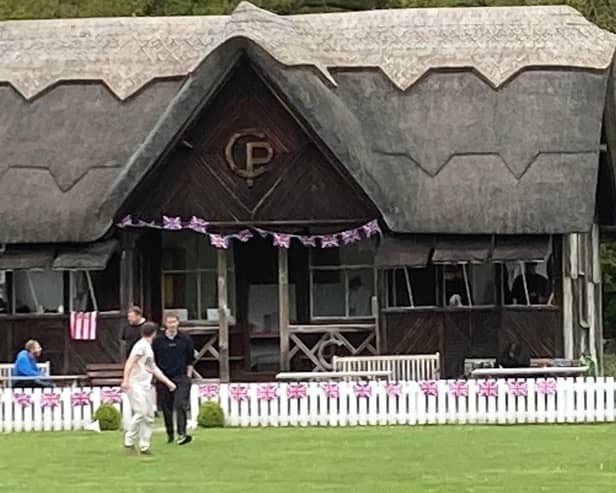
column 514, row 356
column 173, row 352
column 132, row 332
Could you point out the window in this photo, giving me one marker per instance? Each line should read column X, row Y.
column 4, row 293
column 342, row 281
column 411, row 287
column 526, row 283
column 38, row 291
column 96, row 290
column 190, row 276
column 468, row 285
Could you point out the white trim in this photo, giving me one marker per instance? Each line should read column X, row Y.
column 91, row 290
column 568, row 317
column 573, row 256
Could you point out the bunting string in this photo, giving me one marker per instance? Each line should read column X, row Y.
column 281, row 240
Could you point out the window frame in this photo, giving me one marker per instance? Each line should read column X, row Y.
column 390, row 282
column 345, row 269
column 466, row 273
column 199, row 272
column 13, row 299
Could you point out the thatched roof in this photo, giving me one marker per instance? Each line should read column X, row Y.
column 127, row 53
column 458, row 151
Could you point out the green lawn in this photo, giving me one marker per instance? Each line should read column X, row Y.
column 374, row 460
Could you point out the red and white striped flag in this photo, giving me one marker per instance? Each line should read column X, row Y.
column 83, row 326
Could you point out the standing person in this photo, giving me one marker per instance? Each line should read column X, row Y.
column 25, row 366
column 173, row 352
column 137, row 383
column 132, row 332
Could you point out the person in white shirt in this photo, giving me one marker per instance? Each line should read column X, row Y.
column 137, row 383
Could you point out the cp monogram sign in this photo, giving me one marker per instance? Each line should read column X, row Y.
column 254, row 164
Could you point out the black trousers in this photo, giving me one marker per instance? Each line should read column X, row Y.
column 177, row 401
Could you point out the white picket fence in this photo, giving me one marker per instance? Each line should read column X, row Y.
column 566, row 400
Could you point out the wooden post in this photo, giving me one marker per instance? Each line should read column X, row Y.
column 283, row 307
column 223, row 322
column 127, row 272
column 378, row 303
column 567, row 301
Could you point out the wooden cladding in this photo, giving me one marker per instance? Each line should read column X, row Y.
column 460, row 334
column 245, row 158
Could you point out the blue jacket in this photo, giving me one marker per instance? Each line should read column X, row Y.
column 25, row 365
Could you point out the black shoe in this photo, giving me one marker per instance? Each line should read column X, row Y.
column 170, row 439
column 145, row 452
column 184, row 439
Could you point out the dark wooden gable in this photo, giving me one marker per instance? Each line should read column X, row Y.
column 299, row 184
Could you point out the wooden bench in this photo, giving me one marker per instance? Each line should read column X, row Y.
column 6, row 369
column 333, row 375
column 6, row 372
column 401, row 367
column 103, row 374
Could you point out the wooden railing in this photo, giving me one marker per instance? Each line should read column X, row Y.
column 312, row 341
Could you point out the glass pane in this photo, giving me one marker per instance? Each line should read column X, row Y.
column 208, row 255
column 361, row 290
column 422, row 285
column 209, row 296
column 4, row 293
column 38, row 292
column 231, row 290
column 361, row 253
column 180, row 295
column 80, row 294
column 482, row 284
column 180, row 250
column 325, row 256
column 328, row 293
column 455, row 286
column 107, row 285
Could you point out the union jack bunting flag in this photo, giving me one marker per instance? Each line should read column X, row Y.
column 83, row 326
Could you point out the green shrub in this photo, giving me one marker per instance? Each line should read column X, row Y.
column 211, row 415
column 108, row 417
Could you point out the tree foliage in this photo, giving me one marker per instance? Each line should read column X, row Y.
column 602, row 12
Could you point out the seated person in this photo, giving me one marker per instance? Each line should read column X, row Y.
column 25, row 366
column 537, row 287
column 360, row 299
column 455, row 287
column 513, row 357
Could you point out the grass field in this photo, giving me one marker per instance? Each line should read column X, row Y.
column 374, row 460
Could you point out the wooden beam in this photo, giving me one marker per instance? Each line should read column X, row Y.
column 223, row 322
column 283, row 307
column 127, row 270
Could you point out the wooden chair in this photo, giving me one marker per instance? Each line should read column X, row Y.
column 105, row 374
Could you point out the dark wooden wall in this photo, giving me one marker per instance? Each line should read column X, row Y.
column 64, row 354
column 477, row 333
column 300, row 185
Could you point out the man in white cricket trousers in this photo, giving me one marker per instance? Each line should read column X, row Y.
column 137, row 383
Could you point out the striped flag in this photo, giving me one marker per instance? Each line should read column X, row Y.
column 83, row 326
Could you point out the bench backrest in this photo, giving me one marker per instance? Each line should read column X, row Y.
column 6, row 369
column 402, row 367
column 102, row 374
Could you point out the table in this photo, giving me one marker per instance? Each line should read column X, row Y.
column 332, row 375
column 554, row 371
column 74, row 379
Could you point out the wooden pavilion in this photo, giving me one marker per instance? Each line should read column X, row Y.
column 236, row 170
